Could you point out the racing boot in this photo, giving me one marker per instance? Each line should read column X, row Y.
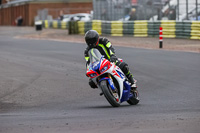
column 133, row 85
column 132, row 81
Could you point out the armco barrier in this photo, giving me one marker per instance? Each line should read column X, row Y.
column 171, row 29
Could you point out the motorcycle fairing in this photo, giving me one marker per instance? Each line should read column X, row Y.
column 115, row 71
column 126, row 92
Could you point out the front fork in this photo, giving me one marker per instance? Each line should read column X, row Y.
column 110, row 81
column 113, row 90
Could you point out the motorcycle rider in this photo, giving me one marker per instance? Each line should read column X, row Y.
column 104, row 46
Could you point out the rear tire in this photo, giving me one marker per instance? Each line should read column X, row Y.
column 107, row 91
column 134, row 100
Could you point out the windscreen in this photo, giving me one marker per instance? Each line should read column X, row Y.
column 94, row 55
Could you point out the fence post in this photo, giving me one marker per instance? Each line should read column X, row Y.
column 197, row 10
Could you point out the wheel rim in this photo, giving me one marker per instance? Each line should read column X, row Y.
column 114, row 93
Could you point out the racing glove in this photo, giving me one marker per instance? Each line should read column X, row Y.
column 113, row 58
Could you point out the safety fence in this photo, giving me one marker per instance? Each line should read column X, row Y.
column 171, row 29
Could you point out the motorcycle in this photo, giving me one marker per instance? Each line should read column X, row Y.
column 110, row 78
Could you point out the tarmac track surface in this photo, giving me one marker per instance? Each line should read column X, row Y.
column 43, row 89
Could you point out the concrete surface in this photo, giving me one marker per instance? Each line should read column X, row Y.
column 43, row 87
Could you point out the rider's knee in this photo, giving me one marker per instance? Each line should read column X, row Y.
column 123, row 66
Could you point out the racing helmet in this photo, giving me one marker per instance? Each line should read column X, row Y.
column 92, row 38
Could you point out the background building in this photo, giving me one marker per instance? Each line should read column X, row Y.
column 44, row 9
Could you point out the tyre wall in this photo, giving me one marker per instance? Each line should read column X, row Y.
column 171, row 29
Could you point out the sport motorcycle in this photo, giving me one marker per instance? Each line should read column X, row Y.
column 110, row 78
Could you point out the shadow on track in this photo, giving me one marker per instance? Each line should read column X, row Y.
column 109, row 106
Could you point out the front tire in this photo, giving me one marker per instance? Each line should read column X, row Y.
column 109, row 95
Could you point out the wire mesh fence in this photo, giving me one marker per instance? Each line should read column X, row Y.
column 111, row 9
column 146, row 10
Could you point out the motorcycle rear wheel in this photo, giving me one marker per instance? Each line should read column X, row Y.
column 133, row 100
column 107, row 91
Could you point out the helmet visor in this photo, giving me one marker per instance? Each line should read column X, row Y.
column 92, row 42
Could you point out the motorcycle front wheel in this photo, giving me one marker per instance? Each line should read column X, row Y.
column 112, row 97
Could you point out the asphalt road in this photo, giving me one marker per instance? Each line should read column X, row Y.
column 43, row 89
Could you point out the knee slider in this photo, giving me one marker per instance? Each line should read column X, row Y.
column 92, row 84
